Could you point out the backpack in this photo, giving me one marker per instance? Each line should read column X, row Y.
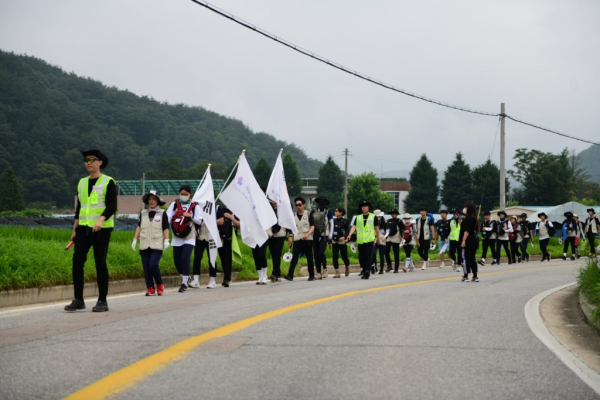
column 443, row 228
column 501, row 230
column 319, row 217
column 551, row 230
column 392, row 226
column 181, row 225
column 339, row 229
column 408, row 235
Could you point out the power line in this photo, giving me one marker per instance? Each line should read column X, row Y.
column 333, row 64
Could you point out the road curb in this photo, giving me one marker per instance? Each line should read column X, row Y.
column 23, row 297
column 587, row 309
column 539, row 328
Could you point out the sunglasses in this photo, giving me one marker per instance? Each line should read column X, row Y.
column 90, row 159
column 299, row 204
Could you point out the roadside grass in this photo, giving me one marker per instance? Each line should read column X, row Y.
column 589, row 285
column 35, row 258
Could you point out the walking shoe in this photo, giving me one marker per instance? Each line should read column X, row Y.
column 288, row 278
column 411, row 268
column 572, row 257
column 211, row 284
column 464, row 279
column 272, row 278
column 150, row 291
column 337, row 274
column 475, row 279
column 543, row 258
column 347, row 271
column 549, row 257
column 160, row 289
column 361, row 273
column 442, row 265
column 380, row 271
column 325, row 273
column 100, row 306
column 311, row 278
column 194, row 284
column 495, row 262
column 318, row 276
column 563, row 257
column 527, row 257
column 365, row 276
column 578, row 256
column 482, row 262
column 182, row 288
column 404, row 269
column 453, row 266
column 373, row 270
column 389, row 269
column 396, row 270
column 519, row 258
column 225, row 283
column 424, row 266
column 75, row 305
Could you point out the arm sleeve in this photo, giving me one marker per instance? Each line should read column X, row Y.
column 550, row 224
column 509, row 227
column 165, row 221
column 311, row 220
column 170, row 212
column 78, row 208
column 196, row 216
column 111, row 200
column 140, row 220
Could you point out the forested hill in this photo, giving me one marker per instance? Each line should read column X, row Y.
column 48, row 115
column 590, row 160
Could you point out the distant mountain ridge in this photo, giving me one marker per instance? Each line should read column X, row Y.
column 48, row 115
column 590, row 160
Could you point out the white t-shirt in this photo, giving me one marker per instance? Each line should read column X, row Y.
column 197, row 218
column 548, row 224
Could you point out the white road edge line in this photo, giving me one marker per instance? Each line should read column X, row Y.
column 571, row 360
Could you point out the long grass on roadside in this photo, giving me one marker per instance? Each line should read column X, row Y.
column 589, row 285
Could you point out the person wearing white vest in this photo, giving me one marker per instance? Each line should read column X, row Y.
column 504, row 227
column 545, row 228
column 424, row 236
column 592, row 227
column 153, row 232
column 302, row 241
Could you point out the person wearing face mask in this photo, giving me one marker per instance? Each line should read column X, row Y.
column 380, row 230
column 338, row 229
column 524, row 230
column 515, row 240
column 469, row 241
column 321, row 215
column 442, row 233
column 202, row 245
column 504, row 227
column 394, row 234
column 94, row 222
column 410, row 231
column 153, row 231
column 184, row 246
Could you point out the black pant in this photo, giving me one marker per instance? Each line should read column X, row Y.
column 320, row 243
column 84, row 239
column 491, row 243
column 514, row 250
column 524, row 244
column 388, row 247
column 455, row 252
column 407, row 250
column 181, row 258
column 544, row 246
column 201, row 246
column 276, row 248
column 470, row 263
column 342, row 249
column 592, row 238
column 305, row 246
column 226, row 261
column 566, row 245
column 150, row 260
column 364, row 256
column 424, row 249
column 260, row 256
column 381, row 249
column 500, row 244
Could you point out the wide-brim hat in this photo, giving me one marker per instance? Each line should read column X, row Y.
column 523, row 215
column 322, row 198
column 592, row 210
column 377, row 212
column 365, row 203
column 98, row 154
column 154, row 193
column 393, row 211
column 542, row 213
column 575, row 216
column 502, row 212
column 407, row 216
column 568, row 213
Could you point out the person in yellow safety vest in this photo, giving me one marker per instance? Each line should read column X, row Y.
column 455, row 253
column 94, row 222
column 366, row 238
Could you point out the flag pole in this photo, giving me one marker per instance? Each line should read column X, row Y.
column 231, row 173
column 203, row 176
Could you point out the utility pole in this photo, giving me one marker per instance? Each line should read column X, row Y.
column 143, row 185
column 502, row 159
column 346, row 182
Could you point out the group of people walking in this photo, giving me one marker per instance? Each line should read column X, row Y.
column 455, row 235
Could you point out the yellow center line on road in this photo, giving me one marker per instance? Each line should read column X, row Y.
column 125, row 378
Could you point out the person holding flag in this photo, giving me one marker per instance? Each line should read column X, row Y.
column 247, row 200
column 280, row 202
column 208, row 237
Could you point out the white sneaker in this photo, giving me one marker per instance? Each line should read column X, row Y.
column 194, row 284
column 211, row 284
column 442, row 265
column 424, row 266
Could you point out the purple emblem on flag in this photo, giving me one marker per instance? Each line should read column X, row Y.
column 240, row 181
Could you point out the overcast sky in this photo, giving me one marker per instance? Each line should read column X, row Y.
column 541, row 58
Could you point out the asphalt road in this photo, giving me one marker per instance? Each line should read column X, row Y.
column 441, row 339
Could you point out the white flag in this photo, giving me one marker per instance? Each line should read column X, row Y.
column 277, row 191
column 245, row 198
column 205, row 197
